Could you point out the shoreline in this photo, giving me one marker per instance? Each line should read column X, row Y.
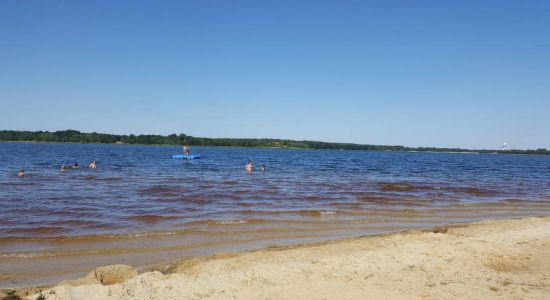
column 31, row 262
column 486, row 259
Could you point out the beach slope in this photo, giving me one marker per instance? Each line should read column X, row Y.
column 484, row 260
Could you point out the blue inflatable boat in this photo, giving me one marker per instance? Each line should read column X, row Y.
column 181, row 156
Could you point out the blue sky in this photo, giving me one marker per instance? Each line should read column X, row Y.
column 470, row 74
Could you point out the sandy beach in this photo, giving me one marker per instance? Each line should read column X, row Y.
column 489, row 259
column 274, row 150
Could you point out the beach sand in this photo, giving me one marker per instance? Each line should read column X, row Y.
column 486, row 260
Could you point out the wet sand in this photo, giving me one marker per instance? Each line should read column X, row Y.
column 484, row 260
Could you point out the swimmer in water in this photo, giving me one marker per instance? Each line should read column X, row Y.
column 69, row 167
column 21, row 173
column 248, row 167
column 262, row 167
column 93, row 165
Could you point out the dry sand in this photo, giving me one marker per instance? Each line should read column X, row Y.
column 507, row 259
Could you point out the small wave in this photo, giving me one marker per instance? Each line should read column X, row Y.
column 36, row 231
column 304, row 213
column 199, row 199
column 108, row 179
column 26, row 255
column 230, row 182
column 396, row 201
column 476, row 191
column 410, row 187
column 159, row 190
column 151, row 218
column 358, row 207
column 398, row 187
column 66, row 238
column 524, row 201
column 81, row 223
column 381, row 200
column 514, row 200
column 148, row 234
column 241, row 192
column 229, row 222
column 313, row 213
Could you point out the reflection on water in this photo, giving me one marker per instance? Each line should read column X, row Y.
column 141, row 206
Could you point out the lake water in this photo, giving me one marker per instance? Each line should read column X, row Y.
column 143, row 208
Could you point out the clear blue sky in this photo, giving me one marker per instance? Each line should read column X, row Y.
column 470, row 74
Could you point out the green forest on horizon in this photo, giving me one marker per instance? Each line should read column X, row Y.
column 75, row 136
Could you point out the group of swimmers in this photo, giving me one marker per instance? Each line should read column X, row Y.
column 92, row 165
column 249, row 167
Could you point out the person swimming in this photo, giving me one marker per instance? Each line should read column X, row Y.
column 21, row 173
column 69, row 167
column 262, row 167
column 249, row 167
column 93, row 164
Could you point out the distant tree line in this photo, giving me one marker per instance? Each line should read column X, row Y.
column 75, row 136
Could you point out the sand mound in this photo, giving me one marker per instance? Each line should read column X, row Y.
column 105, row 275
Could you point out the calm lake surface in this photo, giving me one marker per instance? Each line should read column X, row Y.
column 141, row 207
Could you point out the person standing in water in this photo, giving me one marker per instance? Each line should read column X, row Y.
column 186, row 150
column 93, row 165
column 248, row 167
column 21, row 173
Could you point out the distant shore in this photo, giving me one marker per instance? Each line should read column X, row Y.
column 483, row 260
column 75, row 136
